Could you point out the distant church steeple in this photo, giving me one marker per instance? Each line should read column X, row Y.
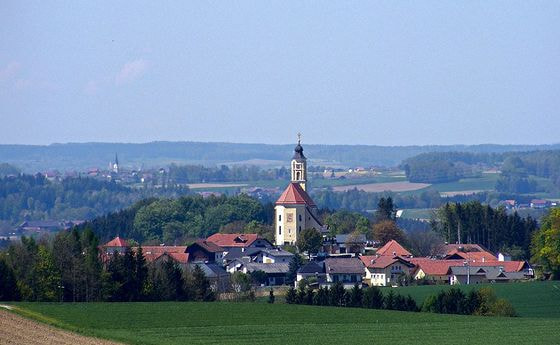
column 299, row 165
column 116, row 165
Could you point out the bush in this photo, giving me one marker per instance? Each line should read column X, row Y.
column 502, row 307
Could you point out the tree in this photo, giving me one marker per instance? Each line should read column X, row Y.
column 258, row 277
column 356, row 296
column 48, row 284
column 389, row 301
column 425, row 243
column 201, row 285
column 545, row 245
column 271, row 296
column 387, row 230
column 373, row 298
column 354, row 242
column 9, row 290
column 291, row 295
column 309, row 240
column 336, row 295
column 385, row 210
column 294, row 266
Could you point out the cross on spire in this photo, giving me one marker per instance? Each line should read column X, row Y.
column 299, row 138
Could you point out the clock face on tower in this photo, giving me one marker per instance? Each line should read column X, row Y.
column 289, row 218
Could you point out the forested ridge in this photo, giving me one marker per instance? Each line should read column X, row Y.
column 34, row 197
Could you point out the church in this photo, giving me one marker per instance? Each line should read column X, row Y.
column 295, row 210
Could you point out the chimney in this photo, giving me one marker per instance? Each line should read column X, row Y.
column 483, row 259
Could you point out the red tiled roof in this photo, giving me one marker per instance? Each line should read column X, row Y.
column 374, row 261
column 152, row 250
column 116, row 242
column 468, row 247
column 474, row 256
column 435, row 267
column 295, row 195
column 393, row 248
column 233, row 240
column 181, row 258
column 441, row 267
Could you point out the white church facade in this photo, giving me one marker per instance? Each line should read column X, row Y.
column 295, row 210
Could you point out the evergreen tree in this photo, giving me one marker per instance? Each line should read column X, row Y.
column 201, row 285
column 291, row 295
column 294, row 266
column 389, row 301
column 356, row 297
column 373, row 298
column 336, row 295
column 9, row 290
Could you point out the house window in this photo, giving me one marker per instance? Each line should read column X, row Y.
column 300, row 228
column 279, row 217
column 300, row 217
column 279, row 230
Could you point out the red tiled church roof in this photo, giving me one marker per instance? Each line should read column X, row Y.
column 393, row 248
column 295, row 195
column 233, row 240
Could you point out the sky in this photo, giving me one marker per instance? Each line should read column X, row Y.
column 339, row 72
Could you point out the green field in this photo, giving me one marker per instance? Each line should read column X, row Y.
column 262, row 323
column 534, row 299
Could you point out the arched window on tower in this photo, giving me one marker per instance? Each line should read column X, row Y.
column 298, row 176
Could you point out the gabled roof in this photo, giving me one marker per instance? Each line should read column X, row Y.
column 276, row 252
column 239, row 252
column 435, row 267
column 344, row 266
column 210, row 247
column 374, row 261
column 233, row 240
column 116, row 242
column 393, row 248
column 483, row 256
column 295, row 195
column 312, row 267
column 161, row 249
column 360, row 239
column 267, row 268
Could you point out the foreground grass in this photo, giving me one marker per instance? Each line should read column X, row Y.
column 258, row 323
column 530, row 299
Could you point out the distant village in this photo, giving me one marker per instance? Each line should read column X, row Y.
column 345, row 259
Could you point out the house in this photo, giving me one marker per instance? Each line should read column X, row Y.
column 348, row 243
column 204, row 251
column 470, row 252
column 504, row 257
column 181, row 259
column 250, row 253
column 228, row 241
column 348, row 271
column 274, row 255
column 385, row 270
column 539, row 203
column 276, row 273
column 435, row 271
column 393, row 248
column 467, row 275
column 35, row 227
column 313, row 270
column 117, row 244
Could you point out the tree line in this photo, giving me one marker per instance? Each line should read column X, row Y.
column 451, row 301
column 68, row 268
column 473, row 222
column 33, row 197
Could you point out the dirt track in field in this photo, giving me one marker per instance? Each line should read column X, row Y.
column 17, row 330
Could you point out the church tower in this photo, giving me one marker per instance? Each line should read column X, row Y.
column 299, row 165
column 294, row 209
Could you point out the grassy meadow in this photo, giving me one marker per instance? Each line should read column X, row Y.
column 260, row 323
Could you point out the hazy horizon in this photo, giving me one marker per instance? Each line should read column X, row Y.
column 369, row 73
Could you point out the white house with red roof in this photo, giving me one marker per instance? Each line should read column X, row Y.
column 295, row 210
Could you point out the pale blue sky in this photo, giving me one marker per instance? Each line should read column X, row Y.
column 344, row 72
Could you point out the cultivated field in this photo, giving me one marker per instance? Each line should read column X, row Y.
column 16, row 330
column 531, row 299
column 402, row 186
column 262, row 323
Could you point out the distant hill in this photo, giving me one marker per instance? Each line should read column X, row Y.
column 81, row 156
